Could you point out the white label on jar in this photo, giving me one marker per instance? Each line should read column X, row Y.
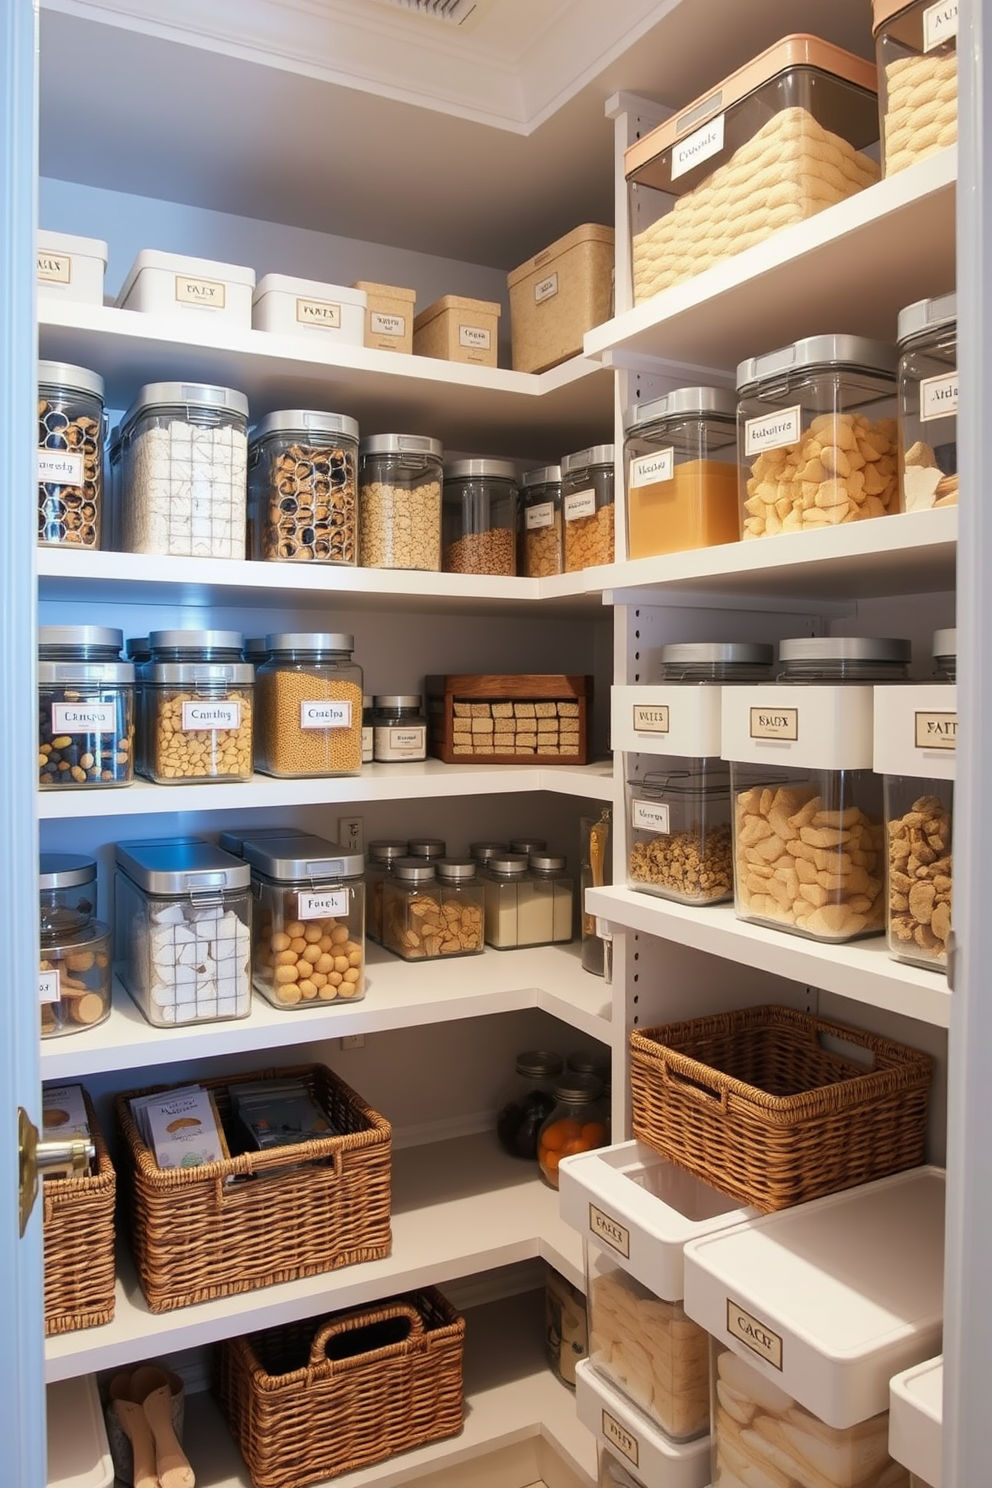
column 55, row 268
column 60, row 468
column 780, row 723
column 400, row 743
column 546, row 290
column 319, row 713
column 773, row 430
column 84, row 718
column 651, row 718
column 940, row 24
column 697, row 147
column 49, row 989
column 938, row 396
column 650, row 816
column 619, row 1437
column 211, row 716
column 936, row 730
column 208, row 293
column 367, row 745
column 580, row 504
column 542, row 515
column 319, row 312
column 331, row 905
column 388, row 325
column 650, row 470
column 756, row 1335
column 474, row 336
column 616, row 1235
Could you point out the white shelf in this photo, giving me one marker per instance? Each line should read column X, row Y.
column 458, row 1208
column 862, row 971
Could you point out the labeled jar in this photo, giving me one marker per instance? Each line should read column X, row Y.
column 680, row 832
column 527, row 1102
column 196, row 708
column 541, row 537
column 479, row 517
column 575, row 1125
column 817, row 439
column 928, row 403
column 309, row 698
column 302, row 488
column 74, row 967
column 183, row 463
column 400, row 501
column 382, row 859
column 680, row 455
column 71, row 428
column 368, row 729
column 308, row 933
column 85, row 708
column 595, row 872
column 916, row 49
column 587, row 507
column 553, row 882
column 399, row 728
column 517, row 913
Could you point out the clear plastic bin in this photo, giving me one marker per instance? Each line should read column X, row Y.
column 587, row 499
column 680, row 453
column 680, row 842
column 196, row 708
column 916, row 49
column 71, row 428
column 303, row 488
column 399, row 501
column 309, row 701
column 479, row 517
column 928, row 403
column 541, row 551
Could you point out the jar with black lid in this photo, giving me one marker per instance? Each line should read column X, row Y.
column 541, row 550
column 527, row 1102
column 85, row 708
column 479, row 517
column 399, row 728
column 196, row 711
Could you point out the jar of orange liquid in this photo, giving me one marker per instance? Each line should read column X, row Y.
column 577, row 1123
column 680, row 456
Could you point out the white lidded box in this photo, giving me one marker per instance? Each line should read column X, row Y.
column 652, row 1457
column 78, row 1450
column 297, row 307
column 667, row 719
column 71, row 267
column 173, row 284
column 916, row 1414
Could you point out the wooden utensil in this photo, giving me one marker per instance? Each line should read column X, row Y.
column 134, row 1424
column 151, row 1387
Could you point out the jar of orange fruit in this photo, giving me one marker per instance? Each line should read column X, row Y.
column 576, row 1124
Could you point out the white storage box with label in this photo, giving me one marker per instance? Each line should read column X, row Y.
column 71, row 267
column 652, row 1457
column 78, row 1450
column 296, row 307
column 667, row 719
column 916, row 1412
column 811, row 1311
column 172, row 284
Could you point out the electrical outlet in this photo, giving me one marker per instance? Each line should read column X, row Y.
column 353, row 1041
column 350, row 834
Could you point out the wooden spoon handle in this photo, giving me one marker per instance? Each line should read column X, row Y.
column 174, row 1470
column 137, row 1430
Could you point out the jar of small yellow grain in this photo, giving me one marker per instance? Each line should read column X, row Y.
column 195, row 710
column 309, row 699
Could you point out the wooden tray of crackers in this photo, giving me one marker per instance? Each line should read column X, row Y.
column 508, row 719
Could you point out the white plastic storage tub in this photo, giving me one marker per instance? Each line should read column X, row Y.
column 305, row 307
column 916, row 1412
column 71, row 267
column 78, row 1450
column 172, row 284
column 651, row 1457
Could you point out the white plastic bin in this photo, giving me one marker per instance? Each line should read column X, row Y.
column 70, row 267
column 172, row 284
column 78, row 1450
column 916, row 1412
column 651, row 1456
column 305, row 307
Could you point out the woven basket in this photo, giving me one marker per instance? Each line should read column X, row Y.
column 759, row 1105
column 79, row 1243
column 325, row 1396
column 263, row 1217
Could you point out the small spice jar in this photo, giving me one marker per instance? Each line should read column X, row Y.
column 71, row 429
column 400, row 501
column 85, row 708
column 308, row 935
column 552, row 881
column 479, row 517
column 309, row 698
column 74, row 967
column 527, row 1102
column 541, row 541
column 680, row 842
column 575, row 1125
column 680, row 453
column 518, row 913
column 368, row 729
column 196, row 708
column 302, row 485
column 928, row 403
column 399, row 728
column 587, row 479
column 382, row 859
column 431, row 849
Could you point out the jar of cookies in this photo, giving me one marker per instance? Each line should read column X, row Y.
column 85, row 708
column 302, row 488
column 70, row 456
column 462, row 906
column 196, row 716
column 309, row 693
column 680, row 453
column 74, row 967
column 400, row 501
column 479, row 517
column 412, row 924
column 587, row 490
column 928, row 403
column 382, row 859
column 680, row 833
column 540, row 553
column 916, row 49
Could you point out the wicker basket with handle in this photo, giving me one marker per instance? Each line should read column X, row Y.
column 79, row 1242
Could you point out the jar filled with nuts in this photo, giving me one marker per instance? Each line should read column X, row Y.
column 479, row 517
column 540, row 552
column 587, row 486
column 432, row 910
column 680, row 453
column 928, row 403
column 70, row 456
column 680, row 832
column 85, row 708
column 309, row 924
column 196, row 708
column 302, row 485
column 74, row 968
column 309, row 695
column 462, row 906
column 400, row 501
column 382, row 859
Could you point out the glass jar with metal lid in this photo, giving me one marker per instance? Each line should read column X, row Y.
column 554, row 887
column 462, row 906
column 855, row 659
column 381, row 860
column 717, row 661
column 309, row 696
column 399, row 727
column 85, row 708
column 196, row 708
column 71, row 427
column 399, row 501
column 817, row 439
column 516, row 914
column 479, row 517
column 67, row 892
column 528, row 845
column 74, row 967
column 541, row 550
column 680, row 837
column 916, row 50
column 928, row 403
column 308, row 932
column 587, row 492
column 412, row 924
column 526, row 1103
column 575, row 1125
column 302, row 488
column 428, row 848
column 183, row 458
column 680, row 454
column 483, row 851
column 181, row 919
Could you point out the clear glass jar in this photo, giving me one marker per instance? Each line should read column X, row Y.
column 483, row 851
column 67, row 892
column 182, row 936
column 566, row 1327
column 552, row 881
column 309, row 701
column 368, row 729
column 302, row 488
column 71, row 429
column 817, row 440
column 680, row 454
column 680, row 840
column 527, row 1102
column 183, row 458
column 528, row 845
column 479, row 517
column 541, row 538
column 916, row 52
column 74, row 979
column 308, row 935
column 591, row 1062
column 854, row 659
column 517, row 914
column 928, row 403
column 196, row 708
column 399, row 727
column 426, row 919
column 575, row 1125
column 399, row 501
column 595, row 872
column 587, row 506
column 85, row 708
column 431, row 849
column 726, row 662
column 381, row 860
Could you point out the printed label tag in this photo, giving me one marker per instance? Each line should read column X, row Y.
column 757, row 1336
column 546, row 290
column 779, row 723
column 652, row 816
column 616, row 1235
column 49, row 989
column 773, row 431
column 936, row 731
column 580, row 504
column 938, row 396
column 60, row 467
column 332, row 905
column 474, row 336
column 319, row 313
column 55, row 268
column 651, row 718
column 210, row 294
column 619, row 1437
column 84, row 718
column 323, row 714
column 392, row 743
column 651, row 470
column 697, row 147
column 542, row 515
column 388, row 325
column 221, row 715
column 940, row 24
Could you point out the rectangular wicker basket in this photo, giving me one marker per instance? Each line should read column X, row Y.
column 262, row 1217
column 759, row 1104
column 79, row 1242
column 324, row 1396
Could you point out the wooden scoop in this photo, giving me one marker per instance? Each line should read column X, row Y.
column 151, row 1387
column 135, row 1426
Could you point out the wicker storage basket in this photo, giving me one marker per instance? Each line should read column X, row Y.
column 325, row 1396
column 79, row 1242
column 263, row 1217
column 759, row 1104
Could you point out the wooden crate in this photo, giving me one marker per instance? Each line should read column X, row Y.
column 517, row 719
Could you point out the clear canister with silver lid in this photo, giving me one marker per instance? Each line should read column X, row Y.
column 817, row 438
column 74, row 966
column 725, row 662
column 302, row 488
column 309, row 699
column 428, row 848
column 71, row 428
column 680, row 834
column 541, row 538
column 680, row 455
column 577, row 1123
column 399, row 727
column 433, row 909
column 479, row 517
column 928, row 403
column 85, row 708
column 587, row 498
column 554, row 887
column 518, row 912
column 483, row 851
column 381, row 859
column 400, row 501
column 196, row 710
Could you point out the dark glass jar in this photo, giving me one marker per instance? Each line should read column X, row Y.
column 527, row 1102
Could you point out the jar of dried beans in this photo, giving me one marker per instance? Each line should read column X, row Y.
column 85, row 708
column 302, row 485
column 587, row 482
column 540, row 553
column 70, row 455
column 479, row 517
column 196, row 711
column 309, row 698
column 400, row 501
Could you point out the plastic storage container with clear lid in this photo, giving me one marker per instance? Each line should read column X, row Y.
column 816, row 430
column 308, row 935
column 196, row 708
column 916, row 50
column 399, row 727
column 928, row 402
column 85, row 708
column 549, row 872
column 74, row 966
column 526, row 1102
column 680, row 454
column 680, row 832
column 479, row 517
column 302, row 488
column 309, row 706
column 399, row 501
column 727, row 662
column 71, row 428
column 587, row 502
column 541, row 551
column 576, row 1124
column 381, row 859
